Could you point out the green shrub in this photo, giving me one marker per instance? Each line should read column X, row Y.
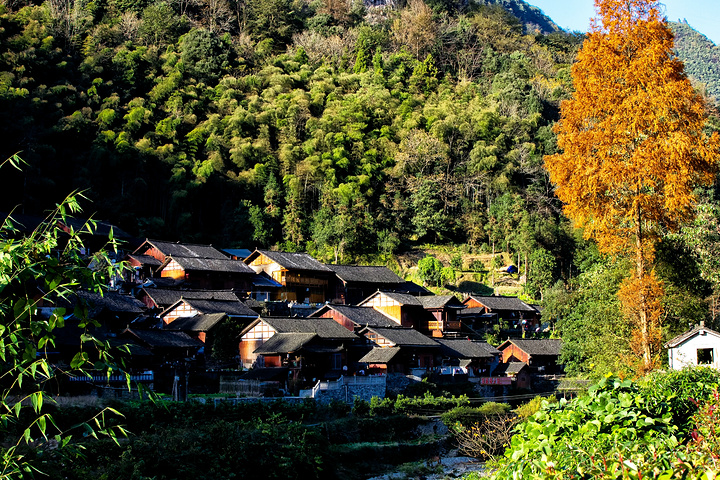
column 468, row 415
column 618, row 430
column 530, row 408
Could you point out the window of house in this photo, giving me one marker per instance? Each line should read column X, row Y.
column 705, row 356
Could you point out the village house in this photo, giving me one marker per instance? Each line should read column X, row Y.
column 475, row 358
column 698, row 346
column 160, row 299
column 354, row 318
column 197, row 266
column 441, row 315
column 311, row 348
column 512, row 310
column 541, row 355
column 353, row 283
column 513, row 374
column 191, row 307
column 398, row 350
column 302, row 278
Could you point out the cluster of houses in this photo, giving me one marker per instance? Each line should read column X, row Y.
column 288, row 319
column 281, row 318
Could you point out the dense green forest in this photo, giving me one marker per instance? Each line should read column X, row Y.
column 348, row 130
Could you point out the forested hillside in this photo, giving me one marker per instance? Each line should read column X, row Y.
column 332, row 126
column 701, row 57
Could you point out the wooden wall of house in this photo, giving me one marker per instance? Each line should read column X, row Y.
column 470, row 302
column 155, row 253
column 513, row 354
column 246, row 349
column 173, row 270
column 339, row 318
column 182, row 310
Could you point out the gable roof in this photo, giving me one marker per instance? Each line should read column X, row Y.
column 234, row 309
column 546, row 346
column 402, row 298
column 111, row 301
column 195, row 257
column 440, row 301
column 366, row 274
column 466, row 348
column 380, row 355
column 403, row 336
column 325, row 328
column 360, row 316
column 165, row 338
column 169, row 296
column 291, row 261
column 696, row 330
column 502, row 303
column 213, row 264
column 285, row 343
column 146, row 260
column 198, row 323
column 510, row 368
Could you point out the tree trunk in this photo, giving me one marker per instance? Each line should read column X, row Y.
column 643, row 319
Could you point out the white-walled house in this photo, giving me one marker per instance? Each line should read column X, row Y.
column 698, row 346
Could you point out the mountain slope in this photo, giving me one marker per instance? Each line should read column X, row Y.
column 531, row 17
column 701, row 57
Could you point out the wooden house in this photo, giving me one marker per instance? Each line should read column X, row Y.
column 398, row 349
column 166, row 346
column 353, row 283
column 161, row 298
column 698, row 346
column 303, row 279
column 541, row 355
column 191, row 307
column 406, row 310
column 441, row 314
column 476, row 358
column 354, row 318
column 309, row 347
column 198, row 266
column 198, row 326
column 115, row 311
column 517, row 313
column 517, row 375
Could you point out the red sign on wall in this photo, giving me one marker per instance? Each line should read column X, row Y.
column 495, row 381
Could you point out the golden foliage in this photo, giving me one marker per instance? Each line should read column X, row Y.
column 632, row 140
column 415, row 28
column 633, row 149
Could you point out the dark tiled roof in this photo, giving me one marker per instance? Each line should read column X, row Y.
column 167, row 296
column 213, row 265
column 165, row 338
column 510, row 368
column 380, row 355
column 504, row 303
column 696, row 330
column 402, row 336
column 186, row 250
column 466, row 348
column 284, row 343
column 402, row 298
column 197, row 323
column 366, row 274
column 146, row 260
column 295, row 261
column 111, row 301
column 439, row 301
column 324, row 327
column 536, row 347
column 216, row 306
column 474, row 311
column 362, row 316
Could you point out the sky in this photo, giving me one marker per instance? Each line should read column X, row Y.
column 702, row 15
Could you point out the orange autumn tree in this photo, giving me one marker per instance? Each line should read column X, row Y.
column 633, row 149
